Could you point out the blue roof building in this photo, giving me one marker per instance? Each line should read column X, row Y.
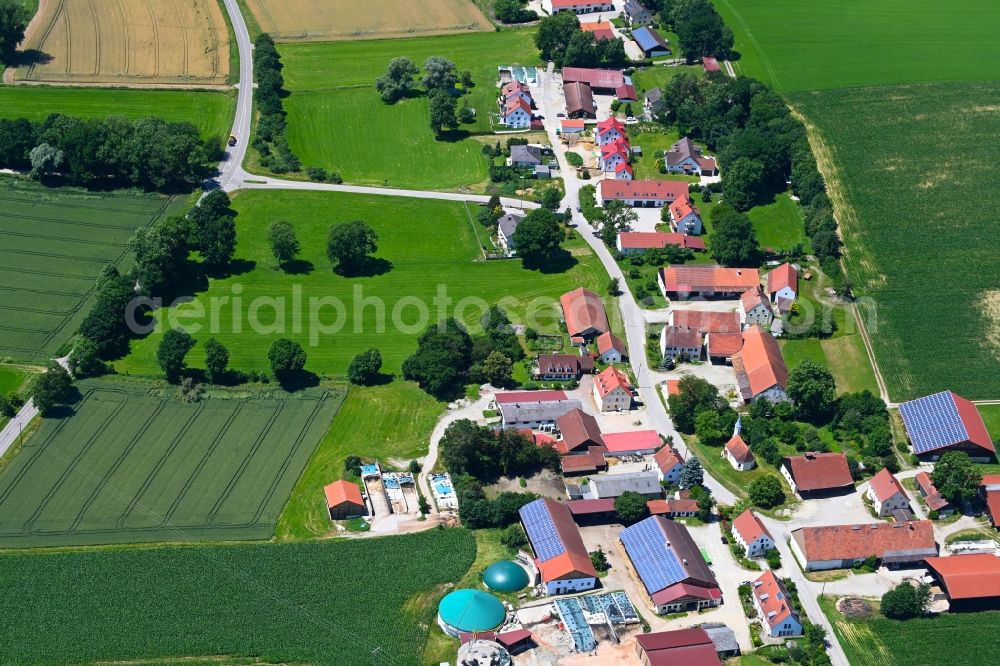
column 651, row 42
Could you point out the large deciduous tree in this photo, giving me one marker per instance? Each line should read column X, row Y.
column 173, row 348
column 618, row 218
column 631, row 507
column 287, row 357
column 734, row 241
column 439, row 74
column 554, row 35
column 364, row 368
column 537, row 237
column 397, row 81
column 695, row 396
column 349, row 245
column 766, row 492
column 743, row 183
column 216, row 360
column 812, row 389
column 284, row 244
column 13, row 21
column 51, row 388
column 442, row 111
column 956, row 477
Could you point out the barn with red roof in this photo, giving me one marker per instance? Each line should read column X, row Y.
column 946, row 422
column 971, row 582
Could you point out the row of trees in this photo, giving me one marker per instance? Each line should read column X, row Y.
column 561, row 40
column 270, row 140
column 486, row 454
column 149, row 152
column 286, row 357
column 447, row 357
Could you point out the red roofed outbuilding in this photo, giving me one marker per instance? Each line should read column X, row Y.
column 344, row 501
column 632, row 443
column 738, row 454
column 843, row 546
column 631, row 242
column 641, row 193
column 611, row 348
column 971, row 582
column 934, row 500
column 683, row 647
column 684, row 282
column 817, row 473
column 584, row 313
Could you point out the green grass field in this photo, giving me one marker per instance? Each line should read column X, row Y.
column 828, row 44
column 11, row 379
column 919, row 226
column 949, row 638
column 336, row 119
column 210, row 112
column 320, row 603
column 991, row 415
column 424, row 244
column 779, row 225
column 381, row 422
column 55, row 243
column 128, row 466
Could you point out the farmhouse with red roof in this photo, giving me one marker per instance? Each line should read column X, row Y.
column 623, row 171
column 614, row 153
column 774, row 607
column 682, row 282
column 562, row 367
column 584, row 314
column 783, row 286
column 669, row 463
column 641, row 193
column 632, row 442
column 609, row 131
column 750, row 533
column 676, row 342
column 631, row 242
column 579, row 431
column 578, row 6
column 817, row 473
column 611, row 348
column 685, row 218
column 761, row 373
column 705, row 321
column 755, row 309
column 673, row 507
column 604, row 81
column 843, row 546
column 886, row 493
column 612, row 390
column 946, row 422
column 710, row 64
column 600, row 29
column 515, row 112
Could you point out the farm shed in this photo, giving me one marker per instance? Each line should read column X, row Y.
column 343, row 499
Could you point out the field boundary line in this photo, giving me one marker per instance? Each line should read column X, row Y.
column 125, row 28
column 753, row 40
column 75, row 460
column 114, row 468
column 153, row 473
column 165, row 523
column 57, row 238
column 97, row 38
column 320, row 403
column 235, row 478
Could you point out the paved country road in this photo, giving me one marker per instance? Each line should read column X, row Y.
column 12, row 431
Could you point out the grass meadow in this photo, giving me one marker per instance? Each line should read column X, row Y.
column 210, row 112
column 124, row 465
column 11, row 379
column 917, row 216
column 827, row 44
column 991, row 416
column 336, row 119
column 424, row 245
column 55, row 243
column 879, row 641
column 320, row 602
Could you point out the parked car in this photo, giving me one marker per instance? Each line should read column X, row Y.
column 560, row 115
column 232, row 140
column 631, row 120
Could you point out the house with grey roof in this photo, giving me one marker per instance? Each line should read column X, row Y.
column 506, row 226
column 525, row 156
column 535, row 415
column 636, row 14
column 601, row 486
column 652, row 100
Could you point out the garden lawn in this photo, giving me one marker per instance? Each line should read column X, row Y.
column 926, row 273
column 327, row 603
column 377, row 423
column 779, row 225
column 737, row 482
column 647, row 78
column 210, row 112
column 827, row 44
column 878, row 641
column 423, row 244
column 124, row 465
column 336, row 119
column 54, row 242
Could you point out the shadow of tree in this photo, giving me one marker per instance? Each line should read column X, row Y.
column 369, row 267
column 30, row 57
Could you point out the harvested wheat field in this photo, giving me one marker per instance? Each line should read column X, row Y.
column 331, row 20
column 127, row 42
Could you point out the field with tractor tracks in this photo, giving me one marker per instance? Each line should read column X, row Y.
column 127, row 42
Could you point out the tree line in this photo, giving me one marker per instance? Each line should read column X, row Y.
column 151, row 153
column 270, row 139
column 698, row 26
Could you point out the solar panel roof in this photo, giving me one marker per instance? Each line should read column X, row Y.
column 654, row 560
column 541, row 530
column 646, row 39
column 933, row 422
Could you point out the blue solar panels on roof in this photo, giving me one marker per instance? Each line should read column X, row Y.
column 653, row 559
column 647, row 39
column 933, row 422
column 541, row 530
